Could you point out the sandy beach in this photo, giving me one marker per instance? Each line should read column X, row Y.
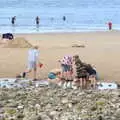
column 101, row 50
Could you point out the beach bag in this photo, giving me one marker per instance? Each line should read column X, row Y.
column 7, row 36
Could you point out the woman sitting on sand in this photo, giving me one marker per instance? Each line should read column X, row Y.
column 54, row 76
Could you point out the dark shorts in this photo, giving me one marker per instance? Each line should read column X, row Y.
column 82, row 76
column 65, row 68
column 37, row 22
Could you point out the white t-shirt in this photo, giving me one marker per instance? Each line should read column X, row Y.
column 33, row 55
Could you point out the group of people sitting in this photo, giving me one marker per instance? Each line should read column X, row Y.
column 75, row 72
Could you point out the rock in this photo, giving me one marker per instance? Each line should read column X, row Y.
column 12, row 118
column 70, row 105
column 64, row 101
column 2, row 111
column 34, row 117
column 43, row 116
column 59, row 104
column 20, row 116
column 37, row 106
column 2, row 117
column 11, row 111
column 20, row 107
column 53, row 113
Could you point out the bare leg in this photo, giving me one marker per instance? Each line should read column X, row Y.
column 88, row 83
column 28, row 71
column 75, row 83
column 62, row 74
column 81, row 83
column 24, row 73
column 34, row 73
column 69, row 75
column 84, row 82
column 94, row 82
column 62, row 78
column 66, row 75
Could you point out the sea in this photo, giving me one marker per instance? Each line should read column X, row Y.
column 80, row 15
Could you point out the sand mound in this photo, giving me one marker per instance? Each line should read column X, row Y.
column 17, row 43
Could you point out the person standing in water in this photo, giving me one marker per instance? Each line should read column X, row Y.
column 64, row 18
column 110, row 25
column 37, row 20
column 13, row 20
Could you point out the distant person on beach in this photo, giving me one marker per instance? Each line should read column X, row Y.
column 64, row 18
column 33, row 62
column 13, row 20
column 37, row 19
column 52, row 18
column 110, row 25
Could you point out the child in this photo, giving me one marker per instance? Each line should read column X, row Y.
column 33, row 55
column 66, row 65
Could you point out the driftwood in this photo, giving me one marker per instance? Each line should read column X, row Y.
column 77, row 45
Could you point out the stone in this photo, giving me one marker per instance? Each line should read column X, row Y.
column 47, row 103
column 2, row 117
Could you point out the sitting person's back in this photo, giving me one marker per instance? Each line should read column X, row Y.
column 90, row 70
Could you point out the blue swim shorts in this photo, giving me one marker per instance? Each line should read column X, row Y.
column 65, row 68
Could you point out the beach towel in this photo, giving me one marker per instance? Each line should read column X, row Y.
column 105, row 85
